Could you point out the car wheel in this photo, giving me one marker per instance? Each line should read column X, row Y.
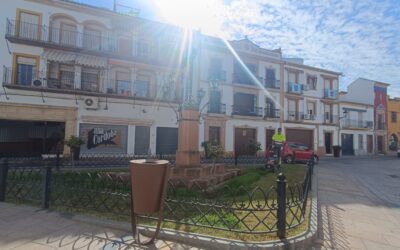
column 316, row 159
column 289, row 159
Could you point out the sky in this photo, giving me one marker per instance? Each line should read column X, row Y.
column 360, row 38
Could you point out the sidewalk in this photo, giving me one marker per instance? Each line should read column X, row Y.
column 25, row 227
column 350, row 215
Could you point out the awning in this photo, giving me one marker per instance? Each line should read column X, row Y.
column 74, row 58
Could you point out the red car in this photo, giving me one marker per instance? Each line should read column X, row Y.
column 296, row 152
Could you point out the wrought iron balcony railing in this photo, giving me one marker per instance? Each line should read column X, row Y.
column 295, row 88
column 216, row 75
column 216, row 108
column 247, row 111
column 310, row 117
column 381, row 125
column 272, row 113
column 330, row 93
column 272, row 84
column 330, row 119
column 56, row 38
column 361, row 124
column 295, row 116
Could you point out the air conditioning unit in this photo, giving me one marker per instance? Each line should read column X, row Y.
column 91, row 103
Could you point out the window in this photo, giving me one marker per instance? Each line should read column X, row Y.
column 215, row 70
column 29, row 25
column 312, row 82
column 214, row 135
column 68, row 34
column 394, row 116
column 270, row 80
column 241, row 75
column 26, row 70
column 92, row 39
column 328, row 83
column 124, row 46
column 90, row 79
column 123, row 86
column 67, row 76
column 293, row 77
column 328, row 113
column 311, row 110
column 142, row 85
column 143, row 48
column 360, row 142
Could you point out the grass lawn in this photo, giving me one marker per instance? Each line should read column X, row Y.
column 245, row 204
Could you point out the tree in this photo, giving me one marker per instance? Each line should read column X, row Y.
column 74, row 143
column 215, row 152
column 254, row 147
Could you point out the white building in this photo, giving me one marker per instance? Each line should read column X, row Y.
column 363, row 127
column 117, row 80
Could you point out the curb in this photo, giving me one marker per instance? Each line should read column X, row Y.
column 300, row 241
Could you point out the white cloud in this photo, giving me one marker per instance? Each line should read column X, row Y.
column 358, row 38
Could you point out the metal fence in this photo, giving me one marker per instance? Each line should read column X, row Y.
column 224, row 208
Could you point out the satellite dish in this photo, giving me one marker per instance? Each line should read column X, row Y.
column 37, row 83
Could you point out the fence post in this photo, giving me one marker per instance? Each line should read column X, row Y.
column 58, row 161
column 46, row 187
column 281, row 200
column 3, row 179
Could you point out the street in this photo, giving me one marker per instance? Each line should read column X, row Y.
column 359, row 203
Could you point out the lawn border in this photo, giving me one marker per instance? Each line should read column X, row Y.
column 299, row 241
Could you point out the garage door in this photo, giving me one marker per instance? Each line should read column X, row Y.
column 167, row 140
column 300, row 135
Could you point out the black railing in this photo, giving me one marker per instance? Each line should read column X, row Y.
column 310, row 117
column 228, row 208
column 219, row 108
column 295, row 116
column 381, row 125
column 272, row 84
column 247, row 111
column 272, row 113
column 64, row 39
column 216, row 75
column 348, row 123
column 330, row 119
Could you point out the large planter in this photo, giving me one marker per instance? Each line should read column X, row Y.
column 148, row 183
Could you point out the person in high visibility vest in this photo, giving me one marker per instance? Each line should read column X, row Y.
column 278, row 138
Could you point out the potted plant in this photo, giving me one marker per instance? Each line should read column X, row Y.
column 206, row 145
column 74, row 143
column 254, row 147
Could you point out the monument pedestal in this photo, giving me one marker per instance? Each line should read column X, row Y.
column 188, row 171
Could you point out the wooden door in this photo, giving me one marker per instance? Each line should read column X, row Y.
column 242, row 138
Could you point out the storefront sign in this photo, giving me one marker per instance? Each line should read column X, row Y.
column 103, row 139
column 101, row 136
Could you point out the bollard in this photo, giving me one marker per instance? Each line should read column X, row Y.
column 46, row 187
column 3, row 179
column 281, row 200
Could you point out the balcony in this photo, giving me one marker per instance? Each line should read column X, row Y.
column 381, row 126
column 295, row 88
column 330, row 119
column 272, row 113
column 295, row 116
column 272, row 84
column 55, row 38
column 330, row 93
column 247, row 111
column 216, row 75
column 218, row 108
column 89, row 85
column 357, row 124
column 309, row 117
column 245, row 79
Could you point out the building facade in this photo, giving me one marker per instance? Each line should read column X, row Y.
column 117, row 81
column 71, row 69
column 393, row 123
column 363, row 121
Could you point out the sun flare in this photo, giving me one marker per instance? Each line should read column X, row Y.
column 194, row 14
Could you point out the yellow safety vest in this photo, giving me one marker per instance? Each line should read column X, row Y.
column 279, row 137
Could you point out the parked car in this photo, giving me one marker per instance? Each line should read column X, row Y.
column 295, row 152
